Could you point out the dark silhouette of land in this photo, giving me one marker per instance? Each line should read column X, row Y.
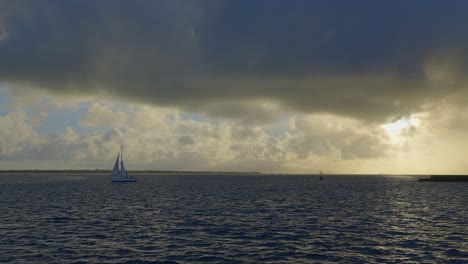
column 432, row 178
column 129, row 171
column 446, row 178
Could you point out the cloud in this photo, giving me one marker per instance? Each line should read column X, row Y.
column 3, row 31
column 246, row 111
column 336, row 138
column 102, row 115
column 15, row 135
column 167, row 139
column 369, row 60
column 162, row 138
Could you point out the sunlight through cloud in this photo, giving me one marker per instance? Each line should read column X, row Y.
column 396, row 130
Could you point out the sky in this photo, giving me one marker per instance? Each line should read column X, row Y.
column 366, row 86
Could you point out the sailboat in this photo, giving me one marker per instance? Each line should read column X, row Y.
column 120, row 175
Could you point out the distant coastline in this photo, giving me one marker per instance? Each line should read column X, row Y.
column 422, row 177
column 446, row 178
column 132, row 171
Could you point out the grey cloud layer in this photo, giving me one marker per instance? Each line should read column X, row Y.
column 366, row 59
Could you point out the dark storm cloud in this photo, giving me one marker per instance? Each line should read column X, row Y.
column 366, row 59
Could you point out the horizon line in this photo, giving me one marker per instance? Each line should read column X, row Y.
column 211, row 172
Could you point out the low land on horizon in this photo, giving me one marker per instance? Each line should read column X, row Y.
column 425, row 177
column 218, row 172
column 130, row 171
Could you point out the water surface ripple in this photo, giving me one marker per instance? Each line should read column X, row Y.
column 232, row 219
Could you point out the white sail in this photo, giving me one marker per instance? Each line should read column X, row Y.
column 123, row 171
column 115, row 170
column 121, row 176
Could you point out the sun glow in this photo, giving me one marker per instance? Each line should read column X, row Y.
column 399, row 129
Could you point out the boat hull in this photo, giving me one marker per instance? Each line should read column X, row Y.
column 123, row 180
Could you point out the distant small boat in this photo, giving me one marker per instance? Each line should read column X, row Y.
column 321, row 175
column 120, row 175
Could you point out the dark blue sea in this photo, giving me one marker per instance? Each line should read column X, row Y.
column 77, row 218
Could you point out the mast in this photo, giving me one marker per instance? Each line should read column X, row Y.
column 121, row 153
column 123, row 172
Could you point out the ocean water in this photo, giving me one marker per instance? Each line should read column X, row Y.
column 232, row 219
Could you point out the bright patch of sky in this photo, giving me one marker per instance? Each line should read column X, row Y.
column 58, row 121
column 194, row 116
